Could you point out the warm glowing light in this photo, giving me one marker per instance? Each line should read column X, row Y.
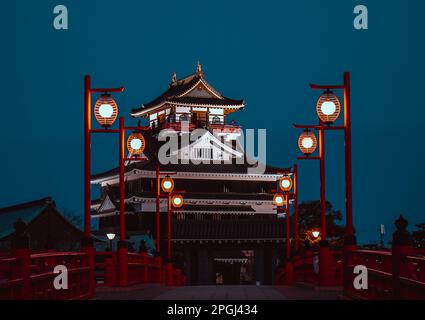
column 313, row 236
column 328, row 107
column 106, row 110
column 285, row 184
column 307, row 142
column 177, row 201
column 278, row 200
column 110, row 236
column 167, row 184
column 136, row 144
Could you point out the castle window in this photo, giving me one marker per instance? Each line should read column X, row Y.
column 203, row 153
column 216, row 120
column 184, row 117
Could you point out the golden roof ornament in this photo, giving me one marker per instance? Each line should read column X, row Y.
column 199, row 71
column 174, row 78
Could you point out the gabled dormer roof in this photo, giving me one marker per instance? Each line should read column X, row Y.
column 109, row 204
column 192, row 90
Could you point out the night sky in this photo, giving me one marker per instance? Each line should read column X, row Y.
column 266, row 52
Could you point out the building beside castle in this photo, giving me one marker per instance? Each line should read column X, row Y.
column 227, row 231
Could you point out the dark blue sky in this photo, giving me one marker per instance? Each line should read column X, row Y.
column 265, row 52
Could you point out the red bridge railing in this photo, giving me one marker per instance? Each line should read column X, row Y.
column 398, row 273
column 305, row 269
column 31, row 276
column 26, row 276
column 390, row 275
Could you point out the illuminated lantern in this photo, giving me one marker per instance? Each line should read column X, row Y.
column 278, row 200
column 313, row 236
column 328, row 107
column 136, row 144
column 110, row 236
column 177, row 201
column 285, row 184
column 106, row 110
column 167, row 184
column 307, row 142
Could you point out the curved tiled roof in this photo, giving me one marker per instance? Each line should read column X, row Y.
column 182, row 86
column 196, row 168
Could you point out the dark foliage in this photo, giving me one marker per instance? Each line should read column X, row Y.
column 309, row 218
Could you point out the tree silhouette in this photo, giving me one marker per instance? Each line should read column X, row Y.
column 309, row 218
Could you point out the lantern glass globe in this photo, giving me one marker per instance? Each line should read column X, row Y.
column 328, row 108
column 315, row 233
column 136, row 144
column 167, row 184
column 106, row 110
column 307, row 142
column 285, row 183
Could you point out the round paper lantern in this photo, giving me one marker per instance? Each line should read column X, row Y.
column 136, row 144
column 278, row 200
column 328, row 107
column 313, row 236
column 177, row 201
column 285, row 184
column 307, row 142
column 106, row 110
column 167, row 184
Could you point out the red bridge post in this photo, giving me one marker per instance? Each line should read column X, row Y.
column 122, row 264
column 90, row 252
column 111, row 270
column 23, row 256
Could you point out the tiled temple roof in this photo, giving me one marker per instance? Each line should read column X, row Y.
column 150, row 165
column 176, row 94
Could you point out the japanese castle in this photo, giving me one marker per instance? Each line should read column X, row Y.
column 227, row 231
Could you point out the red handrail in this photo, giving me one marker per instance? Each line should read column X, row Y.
column 31, row 276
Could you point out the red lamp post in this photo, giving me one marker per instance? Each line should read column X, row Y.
column 296, row 234
column 279, row 200
column 106, row 111
column 328, row 110
column 174, row 199
column 88, row 91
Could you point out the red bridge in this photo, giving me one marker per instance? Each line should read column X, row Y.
column 26, row 276
column 395, row 274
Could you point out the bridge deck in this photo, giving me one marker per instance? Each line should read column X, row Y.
column 160, row 292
